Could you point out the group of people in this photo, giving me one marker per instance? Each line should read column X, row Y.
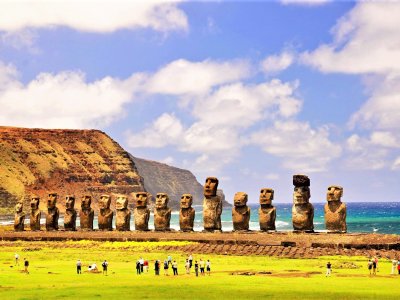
column 142, row 266
column 395, row 265
column 26, row 263
column 92, row 267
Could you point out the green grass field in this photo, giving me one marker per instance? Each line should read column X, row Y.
column 53, row 275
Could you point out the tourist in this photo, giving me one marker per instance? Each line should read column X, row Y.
column 169, row 259
column 79, row 267
column 398, row 266
column 190, row 260
column 92, row 268
column 26, row 265
column 370, row 267
column 196, row 268
column 328, row 269
column 138, row 267
column 187, row 266
column 104, row 265
column 146, row 266
column 166, row 263
column 16, row 259
column 376, row 263
column 175, row 267
column 141, row 261
column 208, row 267
column 157, row 267
column 394, row 266
column 201, row 264
column 374, row 267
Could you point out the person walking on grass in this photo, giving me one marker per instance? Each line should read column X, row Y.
column 166, row 267
column 105, row 266
column 190, row 260
column 138, row 268
column 208, row 267
column 157, row 267
column 187, row 266
column 175, row 267
column 26, row 265
column 328, row 269
column 169, row 259
column 16, row 256
column 394, row 266
column 141, row 261
column 196, row 268
column 370, row 267
column 374, row 266
column 201, row 264
column 79, row 267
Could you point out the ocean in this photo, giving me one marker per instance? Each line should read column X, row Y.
column 379, row 217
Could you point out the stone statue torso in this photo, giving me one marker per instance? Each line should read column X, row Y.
column 335, row 216
column 241, row 218
column 267, row 216
column 105, row 219
column 34, row 219
column 162, row 219
column 303, row 217
column 123, row 220
column 141, row 216
column 186, row 218
column 52, row 219
column 86, row 217
column 70, row 219
column 212, row 209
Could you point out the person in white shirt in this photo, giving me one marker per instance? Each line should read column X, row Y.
column 208, row 267
column 394, row 266
column 16, row 259
column 187, row 267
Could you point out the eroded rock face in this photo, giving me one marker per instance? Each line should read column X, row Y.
column 162, row 213
column 105, row 217
column 212, row 205
column 19, row 217
column 35, row 215
column 240, row 212
column 302, row 210
column 70, row 213
column 267, row 212
column 123, row 214
column 335, row 210
column 52, row 212
column 86, row 215
column 186, row 213
column 141, row 213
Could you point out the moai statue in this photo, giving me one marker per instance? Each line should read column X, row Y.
column 303, row 210
column 162, row 213
column 186, row 213
column 266, row 212
column 335, row 210
column 212, row 205
column 52, row 212
column 141, row 213
column 105, row 217
column 240, row 212
column 70, row 213
column 19, row 217
column 123, row 214
column 34, row 217
column 86, row 215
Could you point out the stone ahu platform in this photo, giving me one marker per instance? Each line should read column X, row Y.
column 282, row 244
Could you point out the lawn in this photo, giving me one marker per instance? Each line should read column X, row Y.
column 53, row 274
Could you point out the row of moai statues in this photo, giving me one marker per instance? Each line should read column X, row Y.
column 302, row 211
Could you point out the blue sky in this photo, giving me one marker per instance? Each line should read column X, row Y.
column 249, row 92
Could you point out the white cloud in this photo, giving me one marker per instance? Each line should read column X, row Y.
column 185, row 77
column 63, row 100
column 100, row 16
column 276, row 63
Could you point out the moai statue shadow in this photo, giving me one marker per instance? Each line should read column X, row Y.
column 19, row 217
column 186, row 213
column 86, row 215
column 212, row 206
column 105, row 217
column 70, row 213
column 162, row 213
column 123, row 214
column 267, row 212
column 240, row 212
column 35, row 214
column 52, row 212
column 141, row 212
column 302, row 210
column 335, row 210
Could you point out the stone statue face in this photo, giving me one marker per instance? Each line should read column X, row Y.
column 210, row 187
column 161, row 200
column 186, row 201
column 35, row 202
column 70, row 202
column 19, row 206
column 301, row 195
column 334, row 193
column 86, row 202
column 240, row 199
column 141, row 199
column 104, row 202
column 52, row 200
column 266, row 196
column 121, row 203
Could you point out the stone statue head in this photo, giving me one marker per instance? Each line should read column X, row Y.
column 141, row 199
column 240, row 199
column 266, row 196
column 334, row 193
column 162, row 200
column 210, row 187
column 35, row 202
column 121, row 203
column 301, row 195
column 186, row 201
column 19, row 206
column 86, row 202
column 52, row 200
column 69, row 202
column 105, row 201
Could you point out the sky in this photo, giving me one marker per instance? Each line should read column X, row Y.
column 249, row 92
